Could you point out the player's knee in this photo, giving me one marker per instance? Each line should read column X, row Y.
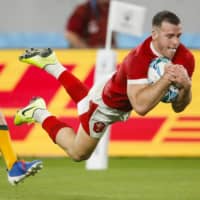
column 80, row 157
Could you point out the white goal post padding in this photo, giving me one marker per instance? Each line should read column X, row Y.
column 126, row 18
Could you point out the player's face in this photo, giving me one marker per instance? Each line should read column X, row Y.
column 166, row 38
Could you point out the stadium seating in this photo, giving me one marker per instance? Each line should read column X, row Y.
column 57, row 40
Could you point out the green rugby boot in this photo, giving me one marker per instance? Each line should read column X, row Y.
column 39, row 57
column 25, row 115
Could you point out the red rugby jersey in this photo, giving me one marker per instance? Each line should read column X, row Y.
column 134, row 69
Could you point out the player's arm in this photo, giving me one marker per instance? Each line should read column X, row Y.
column 75, row 40
column 184, row 98
column 182, row 80
column 144, row 97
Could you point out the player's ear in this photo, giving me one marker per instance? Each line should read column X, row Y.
column 154, row 33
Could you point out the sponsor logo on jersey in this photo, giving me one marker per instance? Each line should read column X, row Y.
column 99, row 127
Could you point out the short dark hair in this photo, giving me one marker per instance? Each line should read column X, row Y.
column 166, row 16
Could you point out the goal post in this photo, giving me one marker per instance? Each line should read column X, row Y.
column 126, row 18
column 105, row 65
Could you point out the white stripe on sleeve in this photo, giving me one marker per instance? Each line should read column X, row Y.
column 138, row 81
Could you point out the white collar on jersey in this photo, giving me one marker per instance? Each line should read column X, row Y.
column 154, row 50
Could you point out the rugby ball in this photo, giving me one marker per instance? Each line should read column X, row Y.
column 155, row 72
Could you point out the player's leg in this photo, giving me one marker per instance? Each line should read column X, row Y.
column 17, row 170
column 78, row 146
column 5, row 144
column 46, row 59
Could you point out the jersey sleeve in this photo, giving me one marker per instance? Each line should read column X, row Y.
column 190, row 65
column 136, row 68
column 185, row 58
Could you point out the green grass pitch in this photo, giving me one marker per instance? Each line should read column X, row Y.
column 126, row 179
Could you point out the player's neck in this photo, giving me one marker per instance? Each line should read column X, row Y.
column 153, row 49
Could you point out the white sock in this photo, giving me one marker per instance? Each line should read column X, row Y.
column 55, row 69
column 41, row 114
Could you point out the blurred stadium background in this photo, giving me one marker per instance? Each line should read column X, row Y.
column 34, row 23
column 41, row 23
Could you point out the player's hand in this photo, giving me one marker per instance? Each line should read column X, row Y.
column 169, row 73
column 182, row 80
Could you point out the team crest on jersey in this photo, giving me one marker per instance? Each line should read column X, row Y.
column 99, row 127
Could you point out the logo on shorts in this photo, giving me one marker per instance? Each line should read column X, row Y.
column 99, row 127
